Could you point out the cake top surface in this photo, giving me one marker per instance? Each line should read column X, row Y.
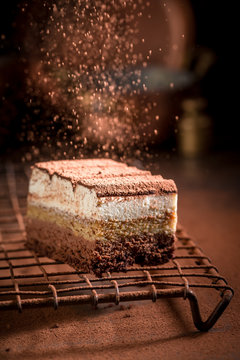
column 108, row 177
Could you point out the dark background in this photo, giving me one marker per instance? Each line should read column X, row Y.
column 214, row 25
column 213, row 31
column 208, row 209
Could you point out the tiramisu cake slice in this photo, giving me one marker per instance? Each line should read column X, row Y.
column 99, row 215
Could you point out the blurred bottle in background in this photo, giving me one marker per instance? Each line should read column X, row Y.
column 195, row 128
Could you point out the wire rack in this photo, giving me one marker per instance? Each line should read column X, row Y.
column 28, row 280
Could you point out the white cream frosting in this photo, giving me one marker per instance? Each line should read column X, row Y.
column 58, row 194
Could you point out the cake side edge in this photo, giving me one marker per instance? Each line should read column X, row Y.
column 99, row 256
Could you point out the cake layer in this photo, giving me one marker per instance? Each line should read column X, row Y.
column 115, row 179
column 62, row 244
column 92, row 229
column 85, row 171
column 57, row 193
column 100, row 215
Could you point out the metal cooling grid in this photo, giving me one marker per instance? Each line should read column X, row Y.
column 28, row 280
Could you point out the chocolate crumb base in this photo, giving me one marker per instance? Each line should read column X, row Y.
column 143, row 250
column 58, row 243
column 98, row 257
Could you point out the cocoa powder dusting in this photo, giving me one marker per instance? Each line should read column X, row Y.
column 109, row 178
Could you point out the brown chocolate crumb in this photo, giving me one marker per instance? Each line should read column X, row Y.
column 125, row 307
column 55, row 326
column 108, row 306
column 126, row 316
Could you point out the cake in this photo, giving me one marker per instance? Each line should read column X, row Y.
column 99, row 215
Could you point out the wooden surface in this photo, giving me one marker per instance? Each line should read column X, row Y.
column 210, row 211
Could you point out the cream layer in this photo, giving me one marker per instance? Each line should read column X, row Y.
column 57, row 194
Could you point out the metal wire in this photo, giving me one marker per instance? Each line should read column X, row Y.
column 28, row 280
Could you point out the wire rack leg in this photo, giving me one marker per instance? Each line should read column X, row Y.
column 217, row 312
